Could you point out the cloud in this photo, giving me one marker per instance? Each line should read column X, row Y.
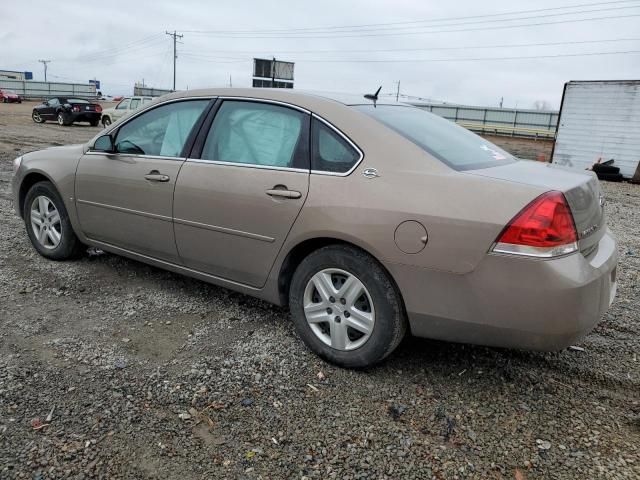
column 123, row 42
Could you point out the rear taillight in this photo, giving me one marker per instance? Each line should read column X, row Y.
column 544, row 228
column 98, row 108
column 75, row 108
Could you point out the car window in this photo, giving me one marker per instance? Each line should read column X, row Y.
column 147, row 100
column 135, row 102
column 257, row 134
column 162, row 131
column 330, row 151
column 452, row 144
column 53, row 102
column 123, row 105
column 76, row 100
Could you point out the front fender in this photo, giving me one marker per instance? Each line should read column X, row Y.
column 58, row 165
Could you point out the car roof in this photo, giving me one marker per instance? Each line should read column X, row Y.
column 296, row 97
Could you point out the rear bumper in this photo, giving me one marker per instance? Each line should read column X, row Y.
column 85, row 117
column 513, row 302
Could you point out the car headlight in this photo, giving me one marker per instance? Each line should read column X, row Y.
column 16, row 164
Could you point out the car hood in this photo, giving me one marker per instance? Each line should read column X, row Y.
column 65, row 150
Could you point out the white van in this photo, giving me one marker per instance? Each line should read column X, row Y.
column 126, row 105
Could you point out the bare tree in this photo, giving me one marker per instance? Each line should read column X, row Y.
column 541, row 105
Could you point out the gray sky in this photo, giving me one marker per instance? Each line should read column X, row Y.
column 121, row 42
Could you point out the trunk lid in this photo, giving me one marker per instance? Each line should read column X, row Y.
column 581, row 189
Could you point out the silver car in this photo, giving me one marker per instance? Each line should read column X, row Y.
column 368, row 220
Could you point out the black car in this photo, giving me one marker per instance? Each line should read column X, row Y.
column 67, row 111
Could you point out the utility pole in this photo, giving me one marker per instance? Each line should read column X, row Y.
column 501, row 100
column 273, row 73
column 44, row 62
column 175, row 55
column 398, row 90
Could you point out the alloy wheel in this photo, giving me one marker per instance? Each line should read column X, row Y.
column 36, row 117
column 339, row 309
column 45, row 222
column 60, row 119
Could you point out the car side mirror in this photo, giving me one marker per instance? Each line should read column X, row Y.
column 104, row 144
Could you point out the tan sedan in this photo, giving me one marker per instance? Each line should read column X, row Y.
column 367, row 220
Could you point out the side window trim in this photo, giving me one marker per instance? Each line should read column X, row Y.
column 195, row 155
column 190, row 139
column 348, row 140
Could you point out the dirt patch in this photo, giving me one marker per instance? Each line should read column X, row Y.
column 154, row 375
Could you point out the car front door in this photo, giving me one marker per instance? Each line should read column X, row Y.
column 125, row 198
column 121, row 109
column 236, row 202
column 50, row 108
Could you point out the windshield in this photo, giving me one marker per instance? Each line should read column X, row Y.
column 76, row 100
column 455, row 146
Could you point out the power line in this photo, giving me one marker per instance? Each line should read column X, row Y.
column 475, row 29
column 472, row 59
column 517, row 12
column 465, row 47
column 405, row 30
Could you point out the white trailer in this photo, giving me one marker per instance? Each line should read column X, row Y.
column 599, row 120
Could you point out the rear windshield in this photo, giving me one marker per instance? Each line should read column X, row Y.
column 455, row 146
column 76, row 100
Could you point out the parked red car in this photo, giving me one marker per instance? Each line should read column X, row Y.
column 8, row 96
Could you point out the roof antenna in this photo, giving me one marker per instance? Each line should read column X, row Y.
column 373, row 96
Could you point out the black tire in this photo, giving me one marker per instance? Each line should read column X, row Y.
column 69, row 246
column 106, row 121
column 36, row 117
column 94, row 123
column 390, row 324
column 5, row 100
column 610, row 177
column 599, row 168
column 63, row 119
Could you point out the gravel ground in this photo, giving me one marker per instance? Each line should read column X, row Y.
column 113, row 369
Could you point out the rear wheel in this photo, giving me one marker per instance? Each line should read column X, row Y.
column 345, row 307
column 62, row 119
column 48, row 224
column 94, row 123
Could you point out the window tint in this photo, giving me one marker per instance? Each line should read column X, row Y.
column 135, row 102
column 162, row 131
column 257, row 134
column 331, row 152
column 123, row 105
column 76, row 100
column 54, row 102
column 450, row 143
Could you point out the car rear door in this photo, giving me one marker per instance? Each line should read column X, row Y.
column 237, row 199
column 125, row 199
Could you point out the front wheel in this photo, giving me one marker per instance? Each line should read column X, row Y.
column 345, row 307
column 35, row 115
column 48, row 224
column 106, row 121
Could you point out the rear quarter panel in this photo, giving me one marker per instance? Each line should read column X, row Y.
column 463, row 214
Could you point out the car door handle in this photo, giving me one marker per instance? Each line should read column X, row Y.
column 155, row 176
column 283, row 193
